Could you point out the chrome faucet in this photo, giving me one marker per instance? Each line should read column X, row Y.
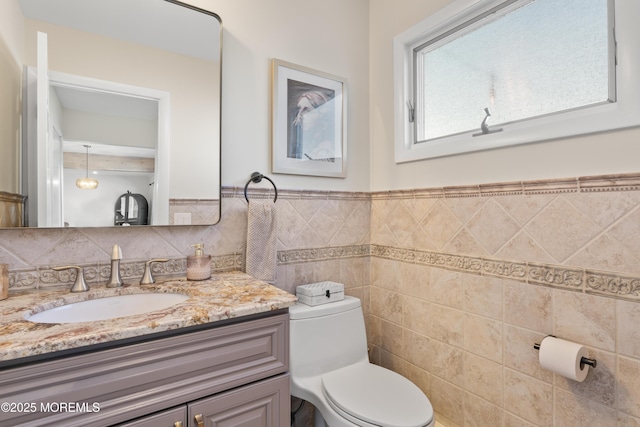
column 115, row 280
column 147, row 278
column 80, row 285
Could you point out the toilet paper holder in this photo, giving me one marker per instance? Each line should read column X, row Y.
column 583, row 360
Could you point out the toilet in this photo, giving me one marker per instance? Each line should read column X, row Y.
column 329, row 368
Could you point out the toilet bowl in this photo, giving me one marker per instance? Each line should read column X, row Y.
column 329, row 368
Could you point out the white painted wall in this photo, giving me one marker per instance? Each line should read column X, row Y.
column 606, row 153
column 107, row 129
column 330, row 36
column 12, row 29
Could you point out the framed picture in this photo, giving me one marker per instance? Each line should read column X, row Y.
column 309, row 122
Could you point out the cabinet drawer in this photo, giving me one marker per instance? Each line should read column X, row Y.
column 134, row 380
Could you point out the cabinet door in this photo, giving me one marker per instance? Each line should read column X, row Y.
column 263, row 404
column 176, row 417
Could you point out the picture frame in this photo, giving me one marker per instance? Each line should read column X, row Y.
column 308, row 121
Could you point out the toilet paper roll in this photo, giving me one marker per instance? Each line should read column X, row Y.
column 563, row 358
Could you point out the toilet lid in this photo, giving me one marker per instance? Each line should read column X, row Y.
column 377, row 396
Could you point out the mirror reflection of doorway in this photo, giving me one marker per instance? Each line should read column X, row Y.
column 125, row 126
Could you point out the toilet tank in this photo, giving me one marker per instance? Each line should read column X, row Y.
column 326, row 337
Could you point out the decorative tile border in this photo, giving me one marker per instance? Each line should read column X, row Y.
column 551, row 186
column 562, row 277
column 321, row 254
column 507, row 269
column 608, row 284
column 502, row 189
column 462, row 191
column 23, row 279
column 593, row 282
column 192, row 202
column 45, row 277
column 286, row 194
column 470, row 265
column 585, row 184
column 624, row 182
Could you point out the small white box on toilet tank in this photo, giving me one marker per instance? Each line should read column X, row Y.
column 320, row 293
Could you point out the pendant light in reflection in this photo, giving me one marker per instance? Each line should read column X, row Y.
column 87, row 183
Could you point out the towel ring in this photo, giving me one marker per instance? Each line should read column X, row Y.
column 257, row 177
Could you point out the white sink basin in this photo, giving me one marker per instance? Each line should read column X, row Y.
column 107, row 308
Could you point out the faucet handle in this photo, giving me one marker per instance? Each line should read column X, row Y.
column 79, row 285
column 147, row 278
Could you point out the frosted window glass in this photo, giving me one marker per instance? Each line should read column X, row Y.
column 541, row 58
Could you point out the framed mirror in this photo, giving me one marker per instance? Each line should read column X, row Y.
column 120, row 102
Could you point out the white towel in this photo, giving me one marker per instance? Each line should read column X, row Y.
column 262, row 229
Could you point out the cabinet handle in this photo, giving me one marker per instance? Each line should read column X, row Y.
column 177, row 424
column 199, row 420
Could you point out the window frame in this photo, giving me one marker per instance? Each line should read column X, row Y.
column 623, row 113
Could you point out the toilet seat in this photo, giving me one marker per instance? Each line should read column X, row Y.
column 370, row 395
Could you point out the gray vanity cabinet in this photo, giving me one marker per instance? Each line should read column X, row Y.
column 232, row 375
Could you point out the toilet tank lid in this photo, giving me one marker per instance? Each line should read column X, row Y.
column 303, row 311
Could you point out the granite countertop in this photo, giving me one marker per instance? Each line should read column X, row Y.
column 224, row 296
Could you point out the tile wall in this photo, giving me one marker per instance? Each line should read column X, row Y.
column 465, row 280
column 457, row 284
column 193, row 211
column 322, row 235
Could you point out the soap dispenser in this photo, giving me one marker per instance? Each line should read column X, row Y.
column 198, row 265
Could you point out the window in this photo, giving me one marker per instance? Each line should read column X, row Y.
column 560, row 62
column 483, row 74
